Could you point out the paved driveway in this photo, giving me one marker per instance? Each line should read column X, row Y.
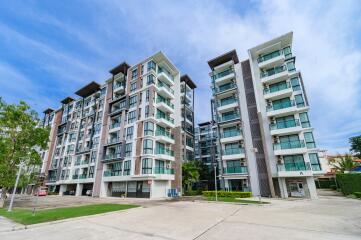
column 326, row 218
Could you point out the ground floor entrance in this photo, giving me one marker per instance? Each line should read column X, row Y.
column 133, row 189
column 239, row 185
column 298, row 187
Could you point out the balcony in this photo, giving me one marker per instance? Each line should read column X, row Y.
column 289, row 148
column 285, row 127
column 114, row 125
column 164, row 154
column 112, row 157
column 231, row 136
column 158, row 170
column 224, row 88
column 225, row 105
column 165, row 76
column 164, row 137
column 230, row 117
column 119, row 88
column 285, row 108
column 233, row 153
column 274, row 74
column 294, row 170
column 272, row 58
column 278, row 93
column 110, row 173
column 235, row 170
column 165, row 121
column 113, row 140
column 165, row 105
column 164, row 90
column 223, row 76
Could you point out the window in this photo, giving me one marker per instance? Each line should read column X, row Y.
column 146, row 111
column 93, row 156
column 150, row 79
column 151, row 65
column 291, row 66
column 130, row 133
column 128, row 150
column 295, row 84
column 286, row 122
column 117, row 168
column 282, row 103
column 134, row 73
column 127, row 168
column 133, row 87
column 234, row 166
column 294, row 163
column 97, row 128
column 305, row 123
column 147, row 93
column 91, row 172
column 299, row 100
column 159, row 167
column 287, row 52
column 148, row 129
column 147, row 146
column 315, row 162
column 290, row 141
column 132, row 116
column 278, row 87
column 132, row 101
column 147, row 166
column 310, row 142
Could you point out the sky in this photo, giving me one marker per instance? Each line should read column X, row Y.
column 50, row 49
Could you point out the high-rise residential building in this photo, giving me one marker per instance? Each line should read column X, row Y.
column 265, row 136
column 124, row 137
column 206, row 138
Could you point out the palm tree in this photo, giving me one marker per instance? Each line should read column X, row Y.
column 343, row 163
column 190, row 174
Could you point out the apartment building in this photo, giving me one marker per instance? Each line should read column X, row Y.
column 265, row 136
column 124, row 137
column 206, row 138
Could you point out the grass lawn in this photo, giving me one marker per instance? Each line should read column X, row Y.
column 24, row 216
column 234, row 200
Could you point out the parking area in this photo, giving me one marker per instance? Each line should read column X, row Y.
column 330, row 217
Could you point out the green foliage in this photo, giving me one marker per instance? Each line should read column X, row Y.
column 349, row 182
column 193, row 193
column 25, row 216
column 343, row 163
column 234, row 200
column 190, row 174
column 357, row 194
column 21, row 138
column 227, row 194
column 324, row 183
column 333, row 187
column 356, row 145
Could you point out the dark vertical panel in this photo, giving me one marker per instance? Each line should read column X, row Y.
column 255, row 129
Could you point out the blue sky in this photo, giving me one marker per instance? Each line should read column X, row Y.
column 49, row 49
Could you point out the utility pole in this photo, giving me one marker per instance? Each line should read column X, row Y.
column 16, row 185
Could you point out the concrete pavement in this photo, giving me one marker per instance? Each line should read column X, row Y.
column 326, row 218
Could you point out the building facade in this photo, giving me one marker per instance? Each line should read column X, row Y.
column 121, row 138
column 265, row 136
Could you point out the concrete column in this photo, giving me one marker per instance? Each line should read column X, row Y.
column 283, row 187
column 79, row 189
column 104, row 189
column 62, row 189
column 226, row 184
column 311, row 187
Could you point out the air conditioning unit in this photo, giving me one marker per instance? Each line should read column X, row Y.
column 168, row 165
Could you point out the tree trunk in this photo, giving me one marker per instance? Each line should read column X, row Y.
column 3, row 197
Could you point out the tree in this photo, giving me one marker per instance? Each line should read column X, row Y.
column 356, row 145
column 190, row 174
column 343, row 163
column 21, row 139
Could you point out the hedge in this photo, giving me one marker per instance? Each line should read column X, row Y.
column 324, row 183
column 357, row 194
column 227, row 194
column 349, row 182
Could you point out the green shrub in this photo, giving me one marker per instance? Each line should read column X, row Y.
column 193, row 193
column 357, row 194
column 227, row 194
column 333, row 187
column 324, row 183
column 349, row 182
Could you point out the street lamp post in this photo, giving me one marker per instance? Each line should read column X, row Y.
column 16, row 185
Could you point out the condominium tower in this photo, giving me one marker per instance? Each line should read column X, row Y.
column 265, row 136
column 123, row 137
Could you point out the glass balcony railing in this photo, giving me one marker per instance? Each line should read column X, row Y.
column 289, row 145
column 167, row 102
column 229, row 117
column 118, row 85
column 222, row 74
column 167, row 118
column 285, row 124
column 238, row 169
column 164, row 151
column 269, row 56
column 232, row 151
column 282, row 105
column 110, row 173
column 273, row 71
column 268, row 90
column 226, row 102
column 301, row 166
column 158, row 170
column 164, row 133
column 316, row 167
column 223, row 88
column 232, row 133
column 162, row 70
column 160, row 84
column 112, row 156
column 82, row 176
column 75, row 176
column 114, row 125
column 113, row 140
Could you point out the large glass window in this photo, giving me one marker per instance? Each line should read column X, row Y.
column 127, row 165
column 291, row 66
column 290, row 141
column 305, row 123
column 147, row 166
column 277, row 86
column 133, row 101
column 134, row 73
column 151, row 65
column 281, row 103
column 299, row 100
column 294, row 163
column 310, row 142
column 148, row 129
column 133, row 87
column 315, row 162
column 130, row 133
column 128, row 149
column 132, row 116
column 147, row 146
column 295, row 82
column 285, row 122
column 159, row 167
column 150, row 79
